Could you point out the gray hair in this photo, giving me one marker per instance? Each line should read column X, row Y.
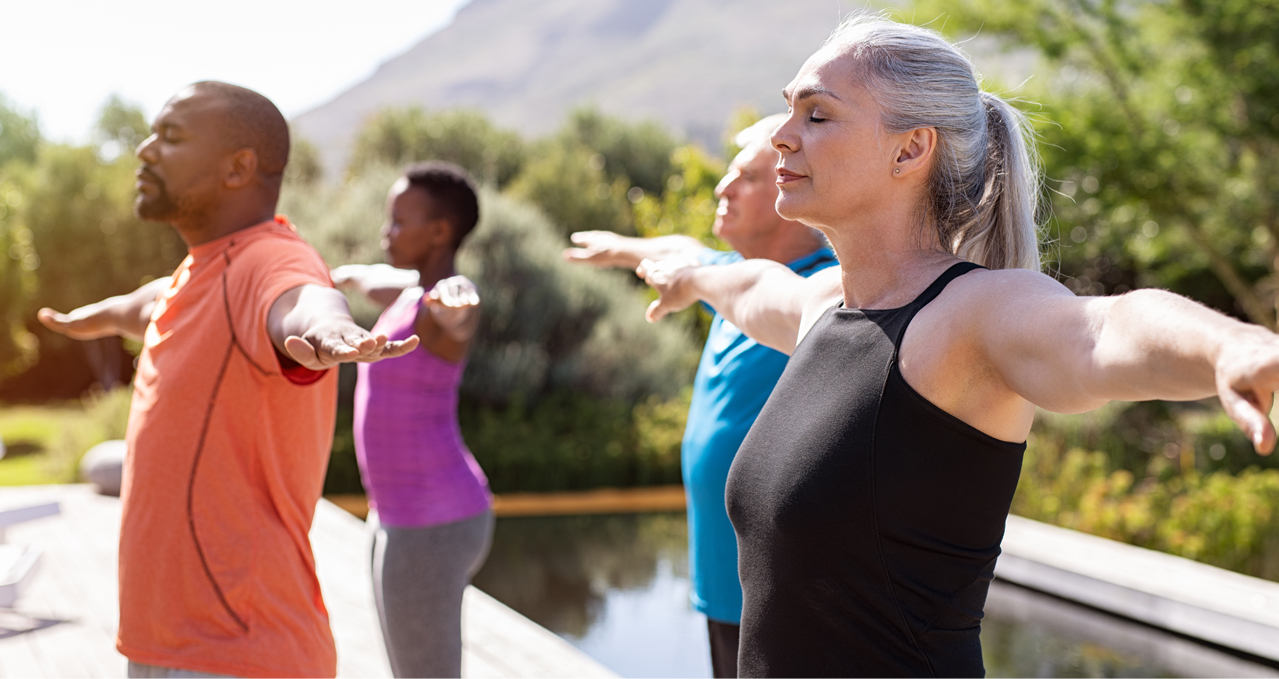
column 985, row 178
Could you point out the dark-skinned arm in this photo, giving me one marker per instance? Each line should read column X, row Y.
column 312, row 325
column 123, row 315
column 379, row 283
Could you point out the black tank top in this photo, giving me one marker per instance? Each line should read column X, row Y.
column 868, row 519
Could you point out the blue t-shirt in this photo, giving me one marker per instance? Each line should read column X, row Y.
column 734, row 379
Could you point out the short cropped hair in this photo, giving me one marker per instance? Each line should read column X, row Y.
column 452, row 193
column 252, row 121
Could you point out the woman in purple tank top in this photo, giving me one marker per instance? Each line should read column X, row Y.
column 431, row 507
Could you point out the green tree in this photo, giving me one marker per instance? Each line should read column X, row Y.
column 70, row 238
column 121, row 127
column 687, row 205
column 17, row 278
column 568, row 182
column 401, row 136
column 1161, row 131
column 639, row 153
column 19, row 143
column 305, row 166
column 19, row 134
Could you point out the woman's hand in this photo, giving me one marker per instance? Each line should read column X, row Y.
column 454, row 305
column 1247, row 372
column 670, row 278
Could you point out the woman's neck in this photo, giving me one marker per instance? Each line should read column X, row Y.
column 435, row 267
column 883, row 263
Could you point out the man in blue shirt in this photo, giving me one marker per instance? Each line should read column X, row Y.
column 735, row 375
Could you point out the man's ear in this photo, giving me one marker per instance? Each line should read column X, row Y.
column 915, row 152
column 242, row 167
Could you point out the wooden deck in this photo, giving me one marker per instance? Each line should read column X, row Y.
column 64, row 625
column 598, row 501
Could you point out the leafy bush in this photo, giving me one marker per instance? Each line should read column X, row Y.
column 639, row 154
column 397, row 137
column 70, row 238
column 567, row 386
column 571, row 441
column 1191, row 495
column 549, row 326
column 568, row 182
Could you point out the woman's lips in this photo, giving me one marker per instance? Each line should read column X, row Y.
column 785, row 176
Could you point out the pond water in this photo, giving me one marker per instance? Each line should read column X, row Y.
column 616, row 586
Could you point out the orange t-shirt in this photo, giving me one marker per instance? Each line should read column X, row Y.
column 226, row 461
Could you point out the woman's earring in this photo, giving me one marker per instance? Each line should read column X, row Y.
column 897, row 170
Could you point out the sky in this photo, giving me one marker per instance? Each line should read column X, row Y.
column 63, row 58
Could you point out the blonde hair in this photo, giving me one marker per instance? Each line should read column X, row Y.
column 985, row 178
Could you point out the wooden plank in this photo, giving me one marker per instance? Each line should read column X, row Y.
column 598, row 501
column 77, row 589
column 1176, row 594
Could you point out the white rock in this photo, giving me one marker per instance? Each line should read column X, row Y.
column 103, row 466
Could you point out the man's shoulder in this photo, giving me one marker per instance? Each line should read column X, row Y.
column 278, row 247
column 822, row 258
column 712, row 257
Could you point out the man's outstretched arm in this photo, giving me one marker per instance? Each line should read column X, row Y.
column 123, row 315
column 607, row 249
column 312, row 325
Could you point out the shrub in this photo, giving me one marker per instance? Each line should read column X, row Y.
column 1182, row 502
column 398, row 137
column 567, row 386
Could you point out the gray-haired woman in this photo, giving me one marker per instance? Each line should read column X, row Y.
column 869, row 498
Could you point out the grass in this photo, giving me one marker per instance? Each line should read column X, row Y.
column 44, row 443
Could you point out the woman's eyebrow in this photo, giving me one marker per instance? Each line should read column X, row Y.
column 809, row 91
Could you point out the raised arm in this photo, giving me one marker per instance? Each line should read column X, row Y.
column 770, row 303
column 1072, row 354
column 123, row 315
column 312, row 325
column 380, row 283
column 607, row 249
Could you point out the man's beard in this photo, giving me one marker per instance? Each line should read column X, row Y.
column 159, row 208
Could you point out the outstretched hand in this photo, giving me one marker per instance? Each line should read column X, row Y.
column 342, row 341
column 601, row 248
column 669, row 278
column 85, row 323
column 453, row 303
column 1247, row 373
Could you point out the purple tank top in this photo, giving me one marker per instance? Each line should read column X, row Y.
column 415, row 466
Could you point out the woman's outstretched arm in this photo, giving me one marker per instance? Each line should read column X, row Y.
column 380, row 283
column 770, row 303
column 1071, row 354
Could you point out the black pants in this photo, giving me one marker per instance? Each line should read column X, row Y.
column 724, row 636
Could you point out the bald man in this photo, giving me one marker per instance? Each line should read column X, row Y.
column 735, row 375
column 233, row 406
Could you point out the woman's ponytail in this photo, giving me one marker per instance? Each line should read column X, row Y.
column 985, row 177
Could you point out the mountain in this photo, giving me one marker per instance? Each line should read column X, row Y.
column 686, row 63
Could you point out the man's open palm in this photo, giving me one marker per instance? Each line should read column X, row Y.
column 329, row 344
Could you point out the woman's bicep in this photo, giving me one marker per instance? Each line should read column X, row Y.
column 1041, row 341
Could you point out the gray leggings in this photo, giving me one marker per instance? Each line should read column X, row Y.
column 419, row 575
